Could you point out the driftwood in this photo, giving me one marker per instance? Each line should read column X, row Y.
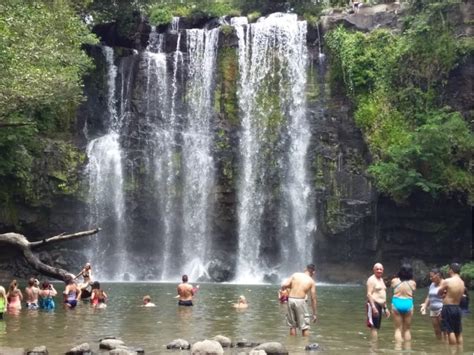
column 19, row 241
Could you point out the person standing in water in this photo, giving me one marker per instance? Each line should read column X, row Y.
column 376, row 300
column 3, row 301
column 434, row 302
column 452, row 290
column 32, row 292
column 185, row 292
column 300, row 284
column 402, row 303
column 14, row 297
column 72, row 293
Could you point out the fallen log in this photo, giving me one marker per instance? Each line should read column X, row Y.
column 19, row 241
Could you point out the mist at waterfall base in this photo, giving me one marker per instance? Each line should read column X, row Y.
column 164, row 146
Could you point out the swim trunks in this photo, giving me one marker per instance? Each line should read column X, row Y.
column 402, row 305
column 185, row 303
column 451, row 319
column 32, row 305
column 374, row 321
column 72, row 303
column 298, row 315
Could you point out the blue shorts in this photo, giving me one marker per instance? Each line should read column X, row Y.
column 402, row 305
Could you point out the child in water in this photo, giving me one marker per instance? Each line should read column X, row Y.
column 147, row 302
column 241, row 302
column 3, row 301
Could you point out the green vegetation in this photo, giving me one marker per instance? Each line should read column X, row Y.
column 41, row 66
column 396, row 82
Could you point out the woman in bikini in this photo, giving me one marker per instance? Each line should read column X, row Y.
column 403, row 288
column 14, row 297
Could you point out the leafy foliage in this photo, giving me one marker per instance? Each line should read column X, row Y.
column 396, row 82
column 41, row 66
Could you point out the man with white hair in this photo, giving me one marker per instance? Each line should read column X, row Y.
column 376, row 300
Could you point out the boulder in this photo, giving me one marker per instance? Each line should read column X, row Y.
column 272, row 348
column 83, row 349
column 312, row 347
column 207, row 347
column 38, row 350
column 224, row 341
column 110, row 344
column 179, row 344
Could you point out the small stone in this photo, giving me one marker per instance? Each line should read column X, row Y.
column 110, row 344
column 38, row 350
column 179, row 344
column 207, row 347
column 224, row 341
column 83, row 349
column 272, row 348
column 312, row 347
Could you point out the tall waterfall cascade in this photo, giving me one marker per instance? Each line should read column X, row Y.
column 106, row 196
column 273, row 146
column 160, row 138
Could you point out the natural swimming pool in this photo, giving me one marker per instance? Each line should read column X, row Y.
column 340, row 330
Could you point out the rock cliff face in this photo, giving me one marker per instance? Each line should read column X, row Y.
column 355, row 225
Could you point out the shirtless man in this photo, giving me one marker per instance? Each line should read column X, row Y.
column 185, row 292
column 452, row 290
column 299, row 285
column 376, row 300
column 32, row 292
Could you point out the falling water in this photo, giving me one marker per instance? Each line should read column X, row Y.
column 198, row 165
column 272, row 60
column 106, row 198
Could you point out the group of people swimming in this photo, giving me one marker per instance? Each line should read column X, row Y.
column 43, row 296
column 445, row 301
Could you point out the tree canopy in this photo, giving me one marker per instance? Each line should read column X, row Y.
column 41, row 66
column 397, row 82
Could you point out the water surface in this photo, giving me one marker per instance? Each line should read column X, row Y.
column 340, row 330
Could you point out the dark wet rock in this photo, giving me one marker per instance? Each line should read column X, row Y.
column 38, row 350
column 179, row 344
column 313, row 347
column 207, row 347
column 246, row 344
column 82, row 349
column 272, row 348
column 110, row 344
column 127, row 350
column 224, row 341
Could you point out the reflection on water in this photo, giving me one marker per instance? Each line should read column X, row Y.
column 340, row 330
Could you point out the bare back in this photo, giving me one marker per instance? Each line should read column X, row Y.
column 185, row 292
column 453, row 288
column 300, row 284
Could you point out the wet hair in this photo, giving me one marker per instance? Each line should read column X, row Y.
column 456, row 267
column 96, row 285
column 185, row 278
column 436, row 270
column 68, row 280
column 311, row 267
column 146, row 298
column 45, row 285
column 31, row 281
column 405, row 273
column 13, row 285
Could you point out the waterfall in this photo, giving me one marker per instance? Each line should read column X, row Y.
column 198, row 165
column 106, row 196
column 180, row 116
column 273, row 190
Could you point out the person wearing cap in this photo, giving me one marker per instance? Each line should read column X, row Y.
column 300, row 284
